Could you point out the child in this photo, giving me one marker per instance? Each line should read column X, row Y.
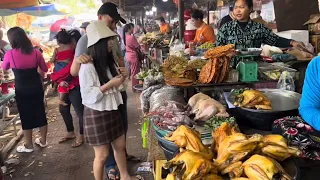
column 62, row 56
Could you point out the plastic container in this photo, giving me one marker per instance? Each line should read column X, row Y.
column 248, row 71
column 169, row 154
column 167, row 144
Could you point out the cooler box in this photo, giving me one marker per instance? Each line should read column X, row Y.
column 189, row 35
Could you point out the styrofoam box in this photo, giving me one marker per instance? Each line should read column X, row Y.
column 297, row 35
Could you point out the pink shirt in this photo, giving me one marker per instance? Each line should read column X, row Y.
column 24, row 61
column 131, row 48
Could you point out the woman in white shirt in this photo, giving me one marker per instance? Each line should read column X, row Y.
column 100, row 82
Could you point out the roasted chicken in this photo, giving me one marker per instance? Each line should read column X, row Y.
column 234, row 148
column 225, row 129
column 275, row 146
column 189, row 165
column 262, row 168
column 253, row 99
column 188, row 139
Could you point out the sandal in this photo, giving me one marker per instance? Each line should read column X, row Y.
column 133, row 159
column 77, row 144
column 112, row 173
column 23, row 149
column 65, row 139
column 139, row 177
column 38, row 142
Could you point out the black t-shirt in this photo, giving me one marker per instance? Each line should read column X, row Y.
column 224, row 20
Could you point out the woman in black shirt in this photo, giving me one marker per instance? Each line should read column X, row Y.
column 245, row 33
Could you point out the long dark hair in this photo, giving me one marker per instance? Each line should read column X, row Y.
column 126, row 28
column 102, row 59
column 19, row 40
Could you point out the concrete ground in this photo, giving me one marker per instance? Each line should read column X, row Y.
column 62, row 162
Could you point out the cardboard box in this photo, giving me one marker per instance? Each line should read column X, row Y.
column 313, row 24
column 297, row 35
column 315, row 41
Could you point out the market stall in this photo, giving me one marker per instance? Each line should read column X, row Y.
column 189, row 101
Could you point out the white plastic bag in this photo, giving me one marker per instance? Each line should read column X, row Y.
column 286, row 82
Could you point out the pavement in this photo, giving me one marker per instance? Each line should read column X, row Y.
column 62, row 162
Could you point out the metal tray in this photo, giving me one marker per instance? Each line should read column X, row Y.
column 281, row 100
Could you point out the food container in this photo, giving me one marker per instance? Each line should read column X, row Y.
column 273, row 72
column 249, row 51
column 284, row 103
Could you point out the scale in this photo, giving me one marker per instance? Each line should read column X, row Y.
column 247, row 67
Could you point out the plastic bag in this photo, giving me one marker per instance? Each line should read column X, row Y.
column 161, row 96
column 153, row 80
column 145, row 97
column 286, row 82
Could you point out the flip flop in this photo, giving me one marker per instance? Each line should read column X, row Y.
column 65, row 139
column 139, row 177
column 76, row 144
column 112, row 171
column 133, row 159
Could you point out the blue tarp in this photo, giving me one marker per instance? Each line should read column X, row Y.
column 42, row 10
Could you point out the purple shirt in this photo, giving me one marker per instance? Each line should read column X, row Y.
column 24, row 61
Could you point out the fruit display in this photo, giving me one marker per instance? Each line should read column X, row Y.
column 207, row 45
column 240, row 156
column 274, row 74
column 253, row 99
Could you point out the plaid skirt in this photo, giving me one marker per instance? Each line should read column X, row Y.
column 101, row 127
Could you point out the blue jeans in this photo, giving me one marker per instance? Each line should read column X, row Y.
column 111, row 162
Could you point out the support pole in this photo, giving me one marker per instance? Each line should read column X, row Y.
column 181, row 19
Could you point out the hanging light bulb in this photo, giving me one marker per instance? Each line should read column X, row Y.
column 165, row 0
column 150, row 13
column 154, row 9
column 147, row 13
column 167, row 14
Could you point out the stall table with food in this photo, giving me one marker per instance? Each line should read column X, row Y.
column 237, row 116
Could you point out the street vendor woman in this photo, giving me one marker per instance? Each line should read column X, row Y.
column 205, row 33
column 164, row 27
column 245, row 33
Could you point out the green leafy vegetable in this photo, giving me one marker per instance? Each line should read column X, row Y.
column 215, row 122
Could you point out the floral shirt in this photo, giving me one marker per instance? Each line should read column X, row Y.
column 248, row 35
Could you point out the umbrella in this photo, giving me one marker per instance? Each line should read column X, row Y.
column 42, row 10
column 45, row 21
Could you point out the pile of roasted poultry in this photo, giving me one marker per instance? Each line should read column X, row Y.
column 217, row 68
column 253, row 99
column 235, row 154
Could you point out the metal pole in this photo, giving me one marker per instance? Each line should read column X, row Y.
column 120, row 4
column 181, row 19
column 208, row 15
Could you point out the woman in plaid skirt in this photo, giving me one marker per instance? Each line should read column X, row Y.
column 100, row 82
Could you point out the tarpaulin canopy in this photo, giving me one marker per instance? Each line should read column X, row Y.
column 42, row 10
column 8, row 4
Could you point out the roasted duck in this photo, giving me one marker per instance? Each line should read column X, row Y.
column 275, row 146
column 253, row 99
column 262, row 168
column 188, row 139
column 189, row 165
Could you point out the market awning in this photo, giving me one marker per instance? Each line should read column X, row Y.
column 42, row 10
